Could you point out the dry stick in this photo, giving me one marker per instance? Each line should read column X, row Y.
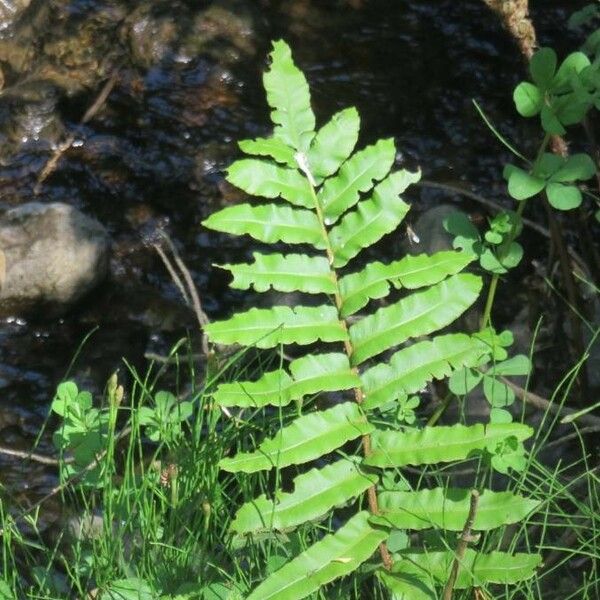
column 61, row 486
column 189, row 291
column 545, row 405
column 461, row 548
column 40, row 458
column 90, row 113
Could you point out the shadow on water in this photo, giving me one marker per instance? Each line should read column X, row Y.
column 188, row 88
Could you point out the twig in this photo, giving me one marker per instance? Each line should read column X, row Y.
column 546, row 405
column 174, row 276
column 171, row 360
column 188, row 291
column 461, row 547
column 73, row 479
column 90, row 113
column 40, row 458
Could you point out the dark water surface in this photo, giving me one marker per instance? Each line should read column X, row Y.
column 153, row 156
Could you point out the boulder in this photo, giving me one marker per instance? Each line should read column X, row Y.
column 53, row 255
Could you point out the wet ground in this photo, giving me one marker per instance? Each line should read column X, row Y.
column 188, row 87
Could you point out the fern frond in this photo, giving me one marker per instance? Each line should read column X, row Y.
column 439, row 444
column 315, row 493
column 311, row 374
column 419, row 570
column 449, row 508
column 421, row 313
column 334, row 143
column 269, row 223
column 284, row 273
column 270, row 327
column 410, row 272
column 273, row 147
column 289, row 97
column 305, row 439
column 372, row 219
column 269, row 180
column 334, row 556
column 356, row 175
column 411, row 368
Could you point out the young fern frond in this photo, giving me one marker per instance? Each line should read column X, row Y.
column 323, row 196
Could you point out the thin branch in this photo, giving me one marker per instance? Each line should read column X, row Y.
column 545, row 405
column 90, row 113
column 40, row 458
column 461, row 547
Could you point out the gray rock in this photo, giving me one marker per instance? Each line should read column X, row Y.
column 429, row 228
column 54, row 254
column 10, row 10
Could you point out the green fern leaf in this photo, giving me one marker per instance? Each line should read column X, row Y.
column 411, row 368
column 311, row 374
column 356, row 175
column 306, row 438
column 266, row 179
column 269, row 223
column 273, row 387
column 432, row 569
column 372, row 219
column 334, row 143
column 273, row 147
column 449, row 508
column 418, row 314
column 439, row 444
column 411, row 272
column 407, row 586
column 289, row 273
column 270, row 327
column 315, row 493
column 322, row 373
column 289, row 97
column 332, row 557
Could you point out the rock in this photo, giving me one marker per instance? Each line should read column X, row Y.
column 429, row 228
column 10, row 11
column 54, row 255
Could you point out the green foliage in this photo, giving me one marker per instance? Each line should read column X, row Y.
column 341, row 204
column 163, row 420
column 83, row 432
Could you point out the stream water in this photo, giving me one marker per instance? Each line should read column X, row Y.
column 188, row 87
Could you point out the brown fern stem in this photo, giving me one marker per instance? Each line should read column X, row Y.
column 372, row 501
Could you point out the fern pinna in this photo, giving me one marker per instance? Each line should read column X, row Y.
column 340, row 203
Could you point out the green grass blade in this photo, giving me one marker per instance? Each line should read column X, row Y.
column 334, row 556
column 356, row 175
column 419, row 314
column 269, row 223
column 372, row 219
column 289, row 97
column 284, row 273
column 270, row 327
column 269, row 180
column 411, row 368
column 410, row 272
column 334, row 143
column 305, row 439
column 315, row 493
column 439, row 444
column 449, row 508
